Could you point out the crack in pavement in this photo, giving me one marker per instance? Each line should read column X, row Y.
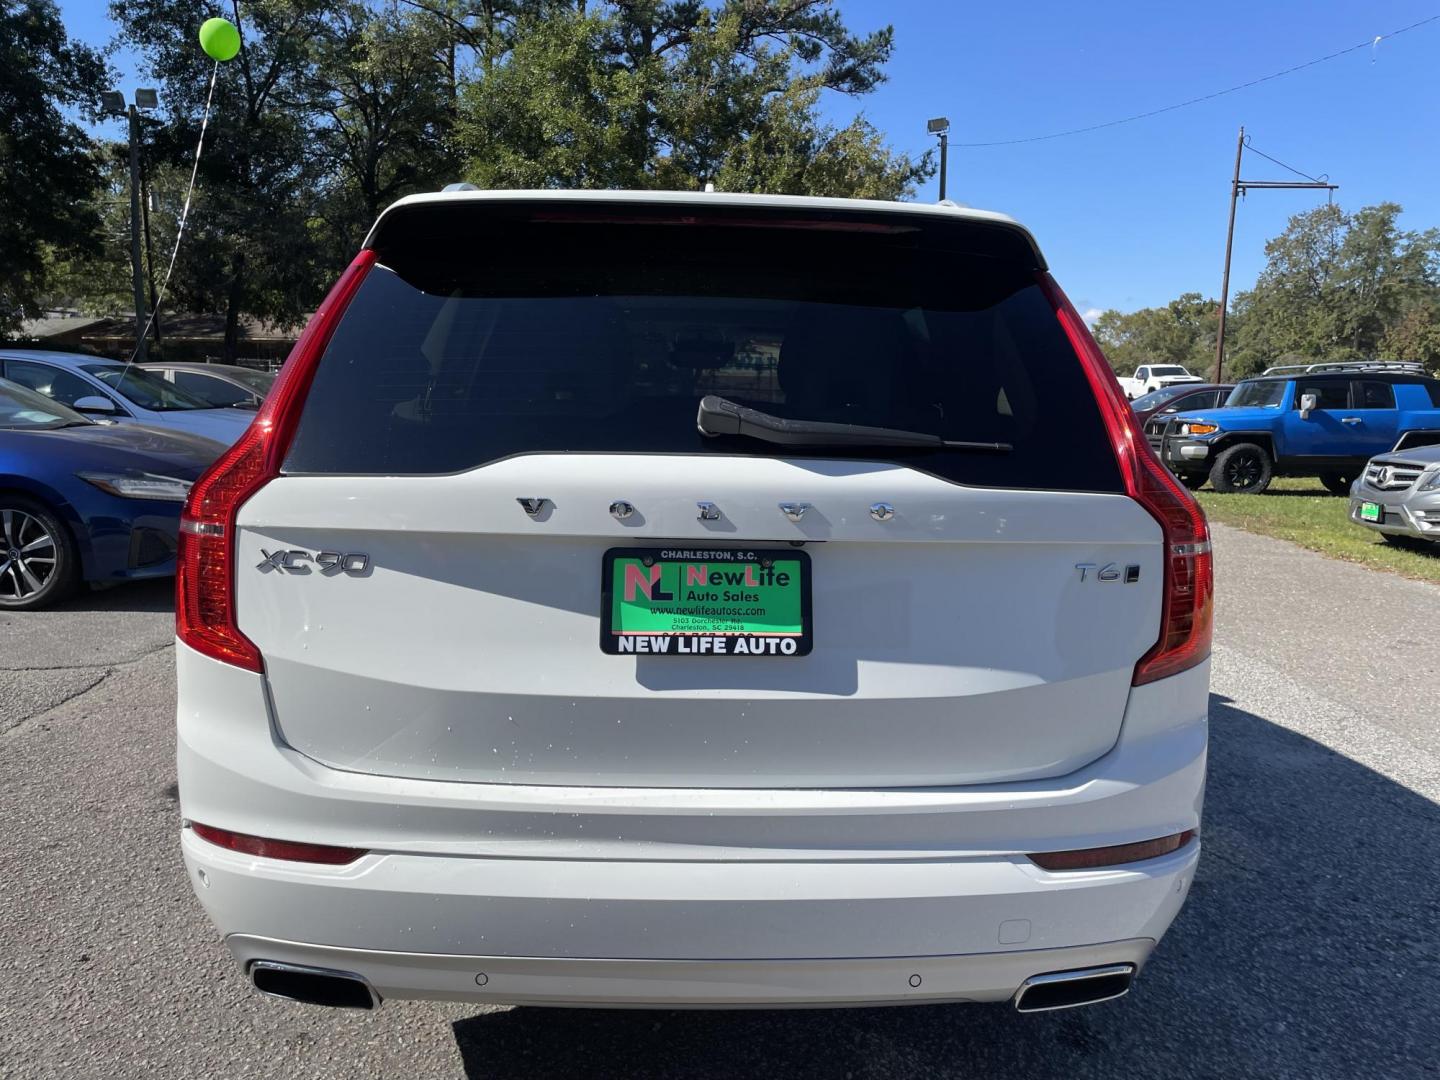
column 87, row 667
column 48, row 708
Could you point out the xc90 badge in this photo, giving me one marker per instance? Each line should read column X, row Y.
column 295, row 561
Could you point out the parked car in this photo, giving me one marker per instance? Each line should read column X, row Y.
column 124, row 393
column 1151, row 377
column 719, row 600
column 1398, row 495
column 221, row 385
column 85, row 501
column 1156, row 407
column 1322, row 420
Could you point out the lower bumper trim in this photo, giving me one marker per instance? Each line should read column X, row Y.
column 699, row 984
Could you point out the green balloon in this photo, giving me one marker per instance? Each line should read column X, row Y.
column 219, row 39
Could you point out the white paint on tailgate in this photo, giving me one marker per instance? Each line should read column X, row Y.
column 954, row 644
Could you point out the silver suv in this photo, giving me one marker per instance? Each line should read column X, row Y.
column 1398, row 495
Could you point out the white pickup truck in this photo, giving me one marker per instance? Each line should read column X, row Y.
column 1153, row 377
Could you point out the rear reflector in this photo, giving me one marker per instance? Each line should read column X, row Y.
column 276, row 849
column 1092, row 858
column 1187, row 608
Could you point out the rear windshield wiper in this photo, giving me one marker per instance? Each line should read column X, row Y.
column 719, row 416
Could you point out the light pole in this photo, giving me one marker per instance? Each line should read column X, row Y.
column 941, row 126
column 113, row 103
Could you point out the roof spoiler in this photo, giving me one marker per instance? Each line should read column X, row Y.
column 442, row 217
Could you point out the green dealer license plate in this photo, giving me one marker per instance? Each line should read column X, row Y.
column 1371, row 512
column 698, row 602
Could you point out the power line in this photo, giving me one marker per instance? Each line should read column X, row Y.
column 1371, row 43
column 1256, row 150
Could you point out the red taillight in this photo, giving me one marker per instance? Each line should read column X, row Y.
column 1187, row 614
column 205, row 617
column 276, row 849
column 1115, row 855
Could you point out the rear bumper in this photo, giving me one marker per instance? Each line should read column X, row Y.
column 671, row 984
column 672, row 896
column 782, row 911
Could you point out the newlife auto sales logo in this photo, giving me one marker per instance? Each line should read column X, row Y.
column 701, row 603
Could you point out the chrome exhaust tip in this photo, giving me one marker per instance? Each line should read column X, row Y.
column 1069, row 989
column 312, row 985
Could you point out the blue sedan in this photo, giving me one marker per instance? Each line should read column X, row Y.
column 84, row 501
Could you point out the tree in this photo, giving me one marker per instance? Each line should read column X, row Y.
column 1340, row 286
column 1181, row 332
column 49, row 173
column 1416, row 335
column 385, row 93
column 95, row 279
column 248, row 246
column 671, row 94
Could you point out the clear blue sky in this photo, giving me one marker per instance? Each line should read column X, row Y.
column 1134, row 215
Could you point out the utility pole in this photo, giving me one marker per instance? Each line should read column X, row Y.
column 1229, row 244
column 136, row 272
column 941, row 127
column 1239, row 187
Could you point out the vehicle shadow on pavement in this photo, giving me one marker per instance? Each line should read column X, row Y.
column 155, row 595
column 1307, row 948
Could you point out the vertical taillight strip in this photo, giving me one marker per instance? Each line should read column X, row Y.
column 205, row 616
column 1187, row 614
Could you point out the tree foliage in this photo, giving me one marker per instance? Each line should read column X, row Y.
column 674, row 94
column 1341, row 286
column 1336, row 286
column 335, row 108
column 1181, row 332
column 49, row 172
column 385, row 105
column 247, row 248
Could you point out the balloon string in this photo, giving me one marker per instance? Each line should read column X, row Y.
column 184, row 216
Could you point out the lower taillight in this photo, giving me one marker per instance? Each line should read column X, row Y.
column 1187, row 610
column 266, row 848
column 1113, row 855
column 205, row 615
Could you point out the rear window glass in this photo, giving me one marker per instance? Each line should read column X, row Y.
column 1374, row 395
column 602, row 337
column 1329, row 394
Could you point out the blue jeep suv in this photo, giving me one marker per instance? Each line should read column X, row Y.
column 1323, row 420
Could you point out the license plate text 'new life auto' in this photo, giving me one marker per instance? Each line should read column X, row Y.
column 699, row 602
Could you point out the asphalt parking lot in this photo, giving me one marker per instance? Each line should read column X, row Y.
column 1309, row 946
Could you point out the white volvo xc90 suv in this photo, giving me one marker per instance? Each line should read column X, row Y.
column 693, row 600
